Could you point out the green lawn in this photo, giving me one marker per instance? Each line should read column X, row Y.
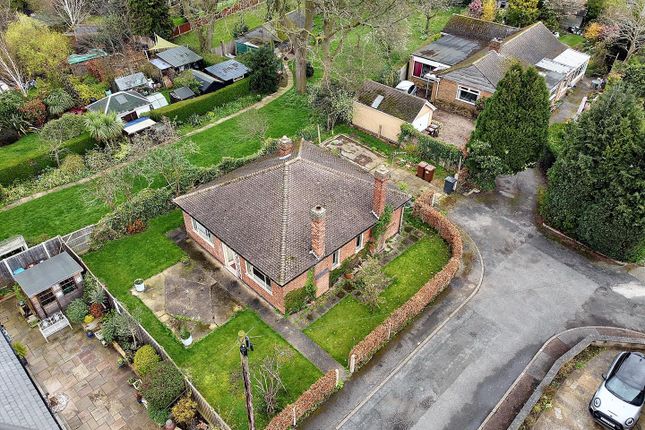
column 223, row 28
column 25, row 148
column 213, row 361
column 67, row 210
column 344, row 325
column 573, row 40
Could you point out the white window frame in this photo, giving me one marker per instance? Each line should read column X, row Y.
column 261, row 282
column 359, row 242
column 461, row 88
column 335, row 256
column 205, row 234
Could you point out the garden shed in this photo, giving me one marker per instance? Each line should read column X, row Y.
column 207, row 83
column 228, row 71
column 181, row 93
column 130, row 82
column 178, row 58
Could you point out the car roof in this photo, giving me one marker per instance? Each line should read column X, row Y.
column 632, row 370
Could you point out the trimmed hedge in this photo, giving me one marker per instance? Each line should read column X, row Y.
column 431, row 149
column 181, row 111
column 22, row 169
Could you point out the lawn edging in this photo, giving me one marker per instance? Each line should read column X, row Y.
column 381, row 335
column 307, row 402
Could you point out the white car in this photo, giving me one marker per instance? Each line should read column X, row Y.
column 407, row 87
column 618, row 401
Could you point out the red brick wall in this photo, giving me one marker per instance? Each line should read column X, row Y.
column 444, row 96
column 278, row 293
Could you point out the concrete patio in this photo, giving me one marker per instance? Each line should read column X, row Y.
column 455, row 129
column 82, row 370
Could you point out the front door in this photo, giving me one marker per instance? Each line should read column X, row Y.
column 231, row 260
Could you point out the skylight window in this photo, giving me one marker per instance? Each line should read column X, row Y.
column 377, row 101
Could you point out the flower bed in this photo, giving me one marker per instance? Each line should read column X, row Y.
column 365, row 349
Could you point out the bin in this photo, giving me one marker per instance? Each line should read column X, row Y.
column 421, row 167
column 449, row 184
column 429, row 172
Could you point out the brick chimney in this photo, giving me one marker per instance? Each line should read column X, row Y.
column 318, row 231
column 495, row 44
column 285, row 146
column 381, row 176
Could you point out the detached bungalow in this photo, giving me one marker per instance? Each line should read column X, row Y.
column 128, row 105
column 472, row 56
column 303, row 209
column 382, row 110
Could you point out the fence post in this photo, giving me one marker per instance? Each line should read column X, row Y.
column 294, row 416
column 389, row 329
column 337, row 372
column 352, row 363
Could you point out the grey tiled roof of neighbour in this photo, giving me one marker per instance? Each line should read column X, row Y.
column 51, row 271
column 477, row 29
column 449, row 49
column 179, row 56
column 21, row 406
column 228, row 70
column 121, row 102
column 396, row 103
column 128, row 82
column 262, row 210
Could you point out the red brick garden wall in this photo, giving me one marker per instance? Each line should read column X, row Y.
column 382, row 334
column 306, row 403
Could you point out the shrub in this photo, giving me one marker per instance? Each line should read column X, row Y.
column 35, row 112
column 186, row 79
column 185, row 410
column 239, row 28
column 371, row 280
column 88, row 318
column 264, row 65
column 72, row 163
column 115, row 326
column 162, row 384
column 158, row 416
column 19, row 348
column 181, row 111
column 10, row 103
column 431, row 149
column 96, row 310
column 145, row 359
column 297, row 299
column 58, row 101
column 76, row 311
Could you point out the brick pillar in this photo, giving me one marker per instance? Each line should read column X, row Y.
column 39, row 309
column 381, row 176
column 318, row 231
column 285, row 146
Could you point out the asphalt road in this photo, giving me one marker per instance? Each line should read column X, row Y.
column 533, row 288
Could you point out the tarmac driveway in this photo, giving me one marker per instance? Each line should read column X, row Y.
column 532, row 289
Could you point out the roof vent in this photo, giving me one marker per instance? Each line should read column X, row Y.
column 377, row 101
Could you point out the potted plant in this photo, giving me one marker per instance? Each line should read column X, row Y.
column 121, row 362
column 186, row 337
column 139, row 286
column 21, row 352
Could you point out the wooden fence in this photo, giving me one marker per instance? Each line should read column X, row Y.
column 204, row 408
column 33, row 255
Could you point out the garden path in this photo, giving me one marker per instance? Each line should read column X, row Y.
column 266, row 100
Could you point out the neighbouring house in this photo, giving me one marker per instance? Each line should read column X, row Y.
column 181, row 93
column 134, row 81
column 23, row 403
column 207, row 83
column 381, row 110
column 465, row 64
column 228, row 71
column 299, row 210
column 267, row 34
column 128, row 105
column 177, row 59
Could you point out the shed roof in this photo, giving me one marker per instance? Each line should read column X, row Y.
column 179, row 56
column 450, row 49
column 228, row 70
column 182, row 93
column 128, row 82
column 22, row 405
column 392, row 101
column 477, row 29
column 160, row 64
column 43, row 275
column 205, row 80
column 121, row 102
column 262, row 210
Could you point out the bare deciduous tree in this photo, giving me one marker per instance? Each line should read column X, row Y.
column 171, row 163
column 430, row 9
column 629, row 20
column 111, row 188
column 9, row 68
column 268, row 381
column 72, row 12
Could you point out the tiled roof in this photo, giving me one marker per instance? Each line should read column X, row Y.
column 21, row 406
column 477, row 29
column 262, row 210
column 482, row 71
column 394, row 102
column 532, row 44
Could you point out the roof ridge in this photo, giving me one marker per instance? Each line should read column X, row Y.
column 232, row 180
column 285, row 216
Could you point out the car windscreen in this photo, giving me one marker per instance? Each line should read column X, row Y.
column 624, row 391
